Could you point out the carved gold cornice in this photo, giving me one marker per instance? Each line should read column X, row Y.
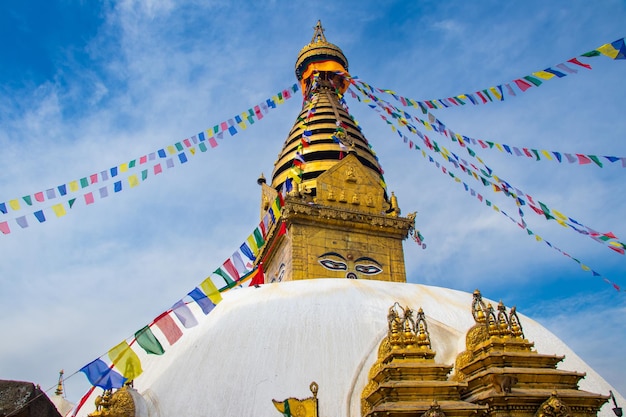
column 297, row 211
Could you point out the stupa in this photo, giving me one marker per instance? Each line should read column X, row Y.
column 335, row 329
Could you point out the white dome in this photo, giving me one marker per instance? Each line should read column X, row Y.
column 271, row 342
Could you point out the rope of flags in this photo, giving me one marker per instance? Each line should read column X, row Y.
column 397, row 121
column 615, row 50
column 122, row 363
column 57, row 201
column 500, row 184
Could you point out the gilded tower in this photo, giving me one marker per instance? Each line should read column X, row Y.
column 337, row 220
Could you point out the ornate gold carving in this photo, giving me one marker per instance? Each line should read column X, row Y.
column 118, row 404
column 553, row 407
column 299, row 408
column 434, row 410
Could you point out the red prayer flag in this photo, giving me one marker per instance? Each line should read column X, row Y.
column 224, row 126
column 93, row 178
column 212, row 142
column 39, row 196
column 89, row 198
column 611, row 235
column 187, row 143
column 157, row 169
column 618, row 250
column 4, row 228
column 166, row 324
column 523, row 85
column 230, row 268
column 143, row 159
column 259, row 276
column 582, row 159
column 577, row 62
column 479, row 94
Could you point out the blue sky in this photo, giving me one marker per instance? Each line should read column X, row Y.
column 85, row 86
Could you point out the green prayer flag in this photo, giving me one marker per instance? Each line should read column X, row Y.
column 179, row 146
column 144, row 175
column 591, row 53
column 596, row 160
column 83, row 182
column 471, row 152
column 533, row 80
column 227, row 278
column 148, row 342
column 534, row 151
column 258, row 238
column 202, row 146
column 71, row 202
column 28, row 200
column 131, row 164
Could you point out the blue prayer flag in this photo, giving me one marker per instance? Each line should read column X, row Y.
column 203, row 301
column 100, row 375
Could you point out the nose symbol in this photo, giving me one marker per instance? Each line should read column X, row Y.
column 351, row 275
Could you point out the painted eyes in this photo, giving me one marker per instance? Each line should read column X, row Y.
column 333, row 265
column 368, row 269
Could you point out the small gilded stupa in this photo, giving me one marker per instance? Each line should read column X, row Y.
column 327, row 319
column 338, row 220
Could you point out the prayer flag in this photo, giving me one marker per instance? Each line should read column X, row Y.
column 117, row 186
column 258, row 277
column 577, row 62
column 184, row 314
column 230, row 268
column 148, row 342
column 211, row 290
column 582, row 159
column 158, row 169
column 523, row 85
column 73, row 186
column 103, row 192
column 14, row 204
column 133, row 181
column 220, row 272
column 182, row 157
column 22, row 222
column 101, row 375
column 4, row 228
column 40, row 216
column 245, row 249
column 59, row 210
column 27, row 200
column 126, row 360
column 166, row 324
column 202, row 300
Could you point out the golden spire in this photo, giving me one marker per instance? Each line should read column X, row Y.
column 59, row 390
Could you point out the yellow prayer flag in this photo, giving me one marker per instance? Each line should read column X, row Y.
column 252, row 243
column 561, row 222
column 171, row 149
column 14, row 204
column 73, row 186
column 499, row 147
column 243, row 125
column 428, row 126
column 124, row 167
column 192, row 150
column 133, row 181
column 462, row 97
column 559, row 214
column 276, row 209
column 126, row 361
column 616, row 244
column 496, row 92
column 496, row 208
column 59, row 210
column 585, row 267
column 608, row 50
column 544, row 75
column 538, row 238
column 211, row 290
column 546, row 154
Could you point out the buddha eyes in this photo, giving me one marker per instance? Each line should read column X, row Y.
column 368, row 269
column 333, row 265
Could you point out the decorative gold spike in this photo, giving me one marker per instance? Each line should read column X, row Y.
column 503, row 321
column 515, row 325
column 479, row 310
column 318, row 35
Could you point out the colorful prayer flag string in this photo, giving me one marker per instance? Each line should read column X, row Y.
column 433, row 146
column 176, row 150
column 614, row 50
column 403, row 118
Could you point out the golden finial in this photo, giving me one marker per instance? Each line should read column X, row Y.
column 423, row 338
column 261, row 180
column 59, row 390
column 318, row 35
column 514, row 323
column 503, row 320
column 478, row 307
